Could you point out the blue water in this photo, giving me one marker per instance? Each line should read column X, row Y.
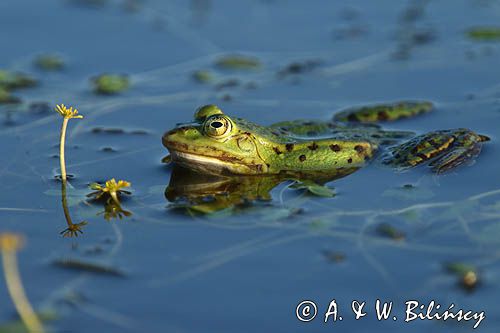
column 246, row 271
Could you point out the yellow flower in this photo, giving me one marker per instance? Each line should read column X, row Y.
column 10, row 242
column 67, row 113
column 111, row 187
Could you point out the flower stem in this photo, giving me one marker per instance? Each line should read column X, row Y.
column 114, row 196
column 17, row 294
column 61, row 149
column 64, row 200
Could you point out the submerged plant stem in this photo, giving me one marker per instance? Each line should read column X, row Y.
column 61, row 149
column 17, row 294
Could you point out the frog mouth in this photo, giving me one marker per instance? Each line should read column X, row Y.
column 215, row 165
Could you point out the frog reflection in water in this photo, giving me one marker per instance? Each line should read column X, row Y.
column 217, row 144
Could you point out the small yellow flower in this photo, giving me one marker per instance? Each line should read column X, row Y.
column 111, row 187
column 10, row 242
column 67, row 113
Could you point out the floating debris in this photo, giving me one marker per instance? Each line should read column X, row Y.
column 484, row 34
column 203, row 76
column 108, row 130
column 236, row 62
column 229, row 83
column 85, row 266
column 49, row 62
column 389, row 231
column 110, row 84
column 467, row 274
column 334, row 256
column 108, row 149
column 302, row 67
column 117, row 131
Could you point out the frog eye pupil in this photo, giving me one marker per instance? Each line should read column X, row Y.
column 216, row 124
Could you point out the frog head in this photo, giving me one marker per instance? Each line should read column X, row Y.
column 216, row 143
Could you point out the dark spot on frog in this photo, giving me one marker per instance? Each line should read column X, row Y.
column 311, row 133
column 302, row 158
column 349, row 161
column 289, row 147
column 352, row 117
column 313, row 147
column 275, row 133
column 268, row 165
column 277, row 150
column 335, row 147
column 359, row 148
column 382, row 115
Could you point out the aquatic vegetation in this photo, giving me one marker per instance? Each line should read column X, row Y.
column 67, row 114
column 13, row 80
column 7, row 98
column 110, row 84
column 314, row 188
column 111, row 188
column 203, row 76
column 10, row 243
column 238, row 62
column 384, row 112
column 387, row 230
column 49, row 62
column 85, row 266
column 484, row 33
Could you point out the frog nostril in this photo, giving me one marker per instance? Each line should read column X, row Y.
column 216, row 124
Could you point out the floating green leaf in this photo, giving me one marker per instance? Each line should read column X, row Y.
column 49, row 62
column 314, row 188
column 203, row 76
column 110, row 84
column 484, row 33
column 238, row 62
column 389, row 231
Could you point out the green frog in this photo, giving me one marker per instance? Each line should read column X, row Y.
column 219, row 144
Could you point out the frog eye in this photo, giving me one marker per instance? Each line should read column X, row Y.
column 217, row 126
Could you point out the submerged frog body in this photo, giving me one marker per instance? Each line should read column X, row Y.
column 218, row 144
